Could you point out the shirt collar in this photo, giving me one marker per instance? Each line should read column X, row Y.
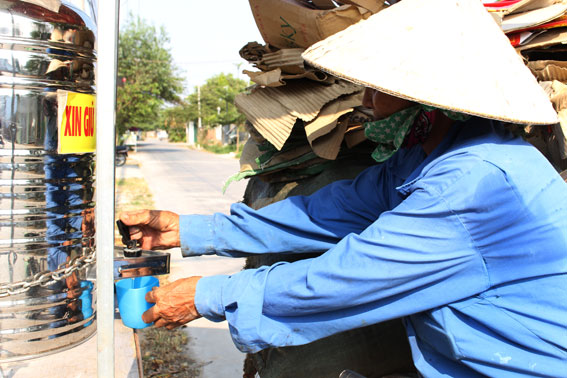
column 441, row 149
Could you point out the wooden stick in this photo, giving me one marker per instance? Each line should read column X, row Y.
column 138, row 354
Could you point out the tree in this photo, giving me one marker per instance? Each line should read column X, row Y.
column 217, row 106
column 147, row 77
column 217, row 101
column 175, row 119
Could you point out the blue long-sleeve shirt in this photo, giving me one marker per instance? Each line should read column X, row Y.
column 468, row 245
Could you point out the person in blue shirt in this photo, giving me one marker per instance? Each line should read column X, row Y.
column 462, row 235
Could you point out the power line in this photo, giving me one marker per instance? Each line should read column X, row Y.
column 186, row 63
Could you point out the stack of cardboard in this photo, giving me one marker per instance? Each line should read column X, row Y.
column 277, row 66
column 299, row 127
column 300, row 118
column 538, row 31
column 303, row 118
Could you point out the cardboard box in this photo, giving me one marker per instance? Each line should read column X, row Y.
column 287, row 23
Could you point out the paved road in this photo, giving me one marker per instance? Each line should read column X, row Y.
column 190, row 182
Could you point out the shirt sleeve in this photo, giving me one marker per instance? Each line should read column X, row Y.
column 416, row 257
column 297, row 224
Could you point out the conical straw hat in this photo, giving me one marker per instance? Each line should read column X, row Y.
column 450, row 54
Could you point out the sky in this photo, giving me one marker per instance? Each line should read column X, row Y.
column 205, row 36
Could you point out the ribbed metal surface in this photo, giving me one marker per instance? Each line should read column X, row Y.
column 46, row 199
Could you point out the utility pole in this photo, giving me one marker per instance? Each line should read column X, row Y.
column 199, row 107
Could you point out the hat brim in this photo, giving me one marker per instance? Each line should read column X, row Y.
column 462, row 63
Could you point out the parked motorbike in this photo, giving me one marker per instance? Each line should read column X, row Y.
column 121, row 155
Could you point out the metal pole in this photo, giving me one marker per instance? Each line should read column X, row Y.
column 105, row 141
column 199, row 107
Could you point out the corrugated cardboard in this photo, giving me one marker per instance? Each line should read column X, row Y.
column 323, row 134
column 533, row 18
column 373, row 6
column 271, row 78
column 354, row 136
column 559, row 95
column 328, row 145
column 276, row 78
column 287, row 23
column 278, row 66
column 273, row 111
column 549, row 70
column 549, row 38
column 270, row 118
column 547, row 87
column 267, row 58
column 251, row 152
column 329, row 115
column 289, row 60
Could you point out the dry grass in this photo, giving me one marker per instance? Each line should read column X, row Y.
column 133, row 194
column 164, row 352
column 165, row 355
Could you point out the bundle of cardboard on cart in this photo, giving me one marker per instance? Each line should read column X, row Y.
column 538, row 31
column 301, row 119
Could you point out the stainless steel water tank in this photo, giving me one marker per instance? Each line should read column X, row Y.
column 47, row 294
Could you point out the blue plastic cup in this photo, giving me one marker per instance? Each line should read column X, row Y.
column 87, row 300
column 131, row 294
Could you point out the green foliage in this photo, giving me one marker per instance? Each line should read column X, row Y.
column 174, row 121
column 151, row 79
column 218, row 149
column 217, row 106
column 177, row 135
column 217, row 101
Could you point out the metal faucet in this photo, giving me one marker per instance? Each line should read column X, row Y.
column 133, row 261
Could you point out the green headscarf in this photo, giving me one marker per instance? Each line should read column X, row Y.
column 391, row 131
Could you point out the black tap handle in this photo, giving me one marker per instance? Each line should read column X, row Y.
column 132, row 249
column 123, row 229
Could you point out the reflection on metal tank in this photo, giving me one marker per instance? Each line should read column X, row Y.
column 47, row 299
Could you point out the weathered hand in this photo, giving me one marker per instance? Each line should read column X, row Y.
column 174, row 304
column 156, row 229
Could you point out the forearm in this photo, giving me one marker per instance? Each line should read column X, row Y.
column 246, row 231
column 301, row 224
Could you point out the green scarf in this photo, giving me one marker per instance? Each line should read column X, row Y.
column 391, row 131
